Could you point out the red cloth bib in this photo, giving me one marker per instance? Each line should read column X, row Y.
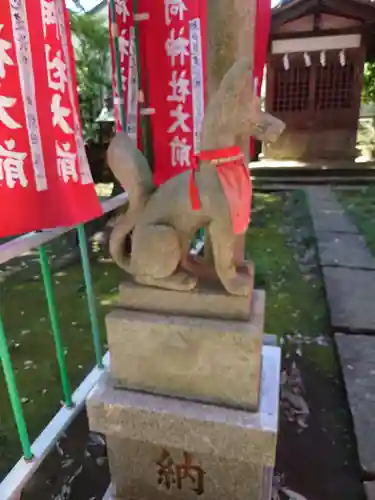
column 235, row 179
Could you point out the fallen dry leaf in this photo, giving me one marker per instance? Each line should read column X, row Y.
column 293, row 404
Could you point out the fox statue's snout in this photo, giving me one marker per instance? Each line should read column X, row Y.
column 264, row 127
column 270, row 128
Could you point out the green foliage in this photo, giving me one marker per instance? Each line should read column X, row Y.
column 369, row 82
column 91, row 45
column 360, row 204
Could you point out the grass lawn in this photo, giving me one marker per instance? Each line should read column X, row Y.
column 282, row 245
column 25, row 316
column 360, row 205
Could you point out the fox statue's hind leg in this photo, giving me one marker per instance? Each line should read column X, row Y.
column 150, row 267
column 224, row 247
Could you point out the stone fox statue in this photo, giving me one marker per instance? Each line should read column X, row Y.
column 165, row 219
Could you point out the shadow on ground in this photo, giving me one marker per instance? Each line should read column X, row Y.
column 76, row 469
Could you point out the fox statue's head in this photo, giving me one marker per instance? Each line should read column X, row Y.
column 236, row 108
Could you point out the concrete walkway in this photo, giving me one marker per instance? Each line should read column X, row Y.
column 348, row 267
column 349, row 276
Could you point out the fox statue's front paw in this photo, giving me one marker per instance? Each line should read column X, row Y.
column 239, row 285
column 179, row 281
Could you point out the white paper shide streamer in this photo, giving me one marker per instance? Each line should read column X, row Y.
column 307, row 59
column 286, row 62
column 323, row 59
column 342, row 57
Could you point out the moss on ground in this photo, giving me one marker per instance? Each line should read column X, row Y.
column 281, row 241
column 281, row 244
column 360, row 205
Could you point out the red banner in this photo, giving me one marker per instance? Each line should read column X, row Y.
column 123, row 28
column 175, row 48
column 262, row 32
column 45, row 179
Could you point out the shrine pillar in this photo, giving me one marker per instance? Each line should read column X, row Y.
column 230, row 35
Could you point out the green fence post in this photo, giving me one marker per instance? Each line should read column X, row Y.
column 90, row 295
column 52, row 308
column 13, row 395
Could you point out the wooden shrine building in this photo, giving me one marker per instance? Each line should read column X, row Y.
column 315, row 74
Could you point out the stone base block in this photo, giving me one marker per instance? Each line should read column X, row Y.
column 370, row 490
column 209, row 300
column 164, row 448
column 193, row 358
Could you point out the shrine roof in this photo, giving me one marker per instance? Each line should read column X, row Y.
column 362, row 10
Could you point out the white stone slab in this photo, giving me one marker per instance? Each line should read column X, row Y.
column 357, row 356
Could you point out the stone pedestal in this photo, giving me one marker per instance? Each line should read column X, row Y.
column 189, row 407
column 208, row 300
column 189, row 357
column 165, row 448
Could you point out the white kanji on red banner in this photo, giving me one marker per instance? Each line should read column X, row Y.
column 174, row 8
column 171, row 49
column 123, row 45
column 122, row 9
column 177, row 47
column 180, row 119
column 57, row 77
column 180, row 87
column 49, row 13
column 180, row 152
column 60, row 114
column 44, row 174
column 12, row 165
column 66, row 162
column 5, row 59
column 5, row 117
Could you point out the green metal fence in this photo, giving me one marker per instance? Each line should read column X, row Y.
column 55, row 327
column 16, row 248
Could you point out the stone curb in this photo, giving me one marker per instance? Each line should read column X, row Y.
column 370, row 490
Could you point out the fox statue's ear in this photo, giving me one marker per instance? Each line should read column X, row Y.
column 245, row 88
column 255, row 108
column 245, row 62
column 256, row 103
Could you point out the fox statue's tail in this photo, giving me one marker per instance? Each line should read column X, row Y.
column 133, row 172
